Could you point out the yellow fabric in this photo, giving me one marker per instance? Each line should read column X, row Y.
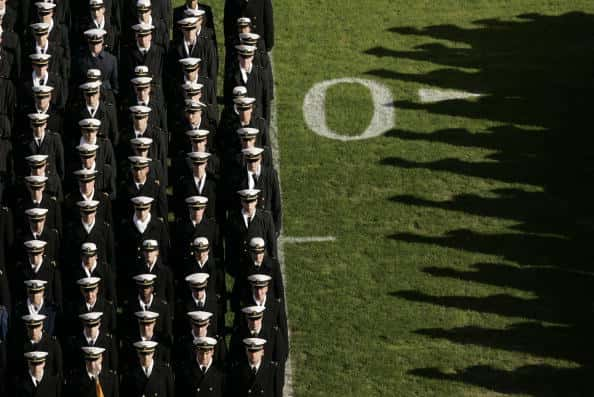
column 98, row 388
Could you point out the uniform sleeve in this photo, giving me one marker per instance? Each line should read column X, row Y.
column 60, row 158
column 277, row 212
column 269, row 25
column 114, row 132
column 115, row 83
column 58, row 359
column 58, row 295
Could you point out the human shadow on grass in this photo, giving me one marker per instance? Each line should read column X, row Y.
column 534, row 74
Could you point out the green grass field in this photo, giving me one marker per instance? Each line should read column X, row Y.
column 462, row 261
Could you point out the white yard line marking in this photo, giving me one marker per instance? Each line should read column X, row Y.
column 288, row 390
column 434, row 95
column 311, row 239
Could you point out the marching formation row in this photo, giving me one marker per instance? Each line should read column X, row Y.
column 139, row 225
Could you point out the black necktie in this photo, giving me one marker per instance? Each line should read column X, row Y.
column 140, row 186
column 203, row 369
column 255, row 178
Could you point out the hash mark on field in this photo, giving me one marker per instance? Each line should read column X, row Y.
column 434, row 95
column 288, row 389
column 311, row 239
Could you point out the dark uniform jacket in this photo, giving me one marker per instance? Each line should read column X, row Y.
column 186, row 233
column 258, row 87
column 160, row 383
column 6, row 235
column 163, row 327
column 164, row 288
column 192, row 382
column 276, row 348
column 54, row 123
column 154, row 58
column 104, row 210
column 59, row 94
column 159, row 148
column 101, row 235
column 242, row 288
column 81, row 385
column 47, row 272
column 211, row 305
column 106, row 113
column 151, row 188
column 107, row 64
column 269, row 198
column 48, row 309
column 238, row 235
column 260, row 13
column 187, row 187
column 102, row 270
column 53, row 219
column 207, row 20
column 58, row 47
column 108, row 320
column 106, row 341
column 203, row 48
column 50, row 386
column 49, row 344
column 51, row 145
column 184, row 354
column 267, row 382
column 50, row 236
column 131, row 240
column 227, row 134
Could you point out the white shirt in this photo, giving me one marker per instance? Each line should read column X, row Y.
column 39, row 140
column 202, row 366
column 141, row 102
column 139, row 133
column 245, row 217
column 87, row 271
column 32, row 308
column 201, row 264
column 41, row 111
column 89, row 197
column 187, row 46
column 41, row 50
column 263, row 303
column 35, row 380
column 141, row 225
column 91, row 341
column 99, row 25
column 89, row 306
column 146, row 306
column 139, row 183
column 251, row 183
column 142, row 50
column 151, row 266
column 39, row 80
column 255, row 366
column 148, row 370
column 34, row 267
column 92, row 111
column 88, row 226
column 256, row 331
column 200, row 302
column 244, row 73
column 200, row 183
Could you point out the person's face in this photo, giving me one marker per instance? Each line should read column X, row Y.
column 98, row 13
column 37, row 368
column 199, row 146
column 140, row 122
column 36, row 258
column 253, row 166
column 199, row 169
column 204, row 356
column 91, row 295
column 248, row 206
column 37, row 225
column 96, row 48
column 86, row 186
column 144, row 16
column 260, row 293
column 257, row 257
column 245, row 115
column 151, row 256
column 89, row 260
column 38, row 171
column 202, row 256
column 254, row 325
column 192, row 75
column 143, row 93
column 90, row 135
column 145, row 359
column 47, row 17
column 38, row 129
column 142, row 213
column 146, row 293
column 194, row 117
column 36, row 297
column 35, row 333
column 92, row 331
column 94, row 366
column 189, row 34
column 87, row 162
column 44, row 102
column 87, row 217
column 254, row 357
column 244, row 29
column 248, row 143
column 199, row 293
column 147, row 329
column 92, row 99
column 195, row 97
column 144, row 41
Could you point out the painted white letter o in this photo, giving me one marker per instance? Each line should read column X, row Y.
column 314, row 109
